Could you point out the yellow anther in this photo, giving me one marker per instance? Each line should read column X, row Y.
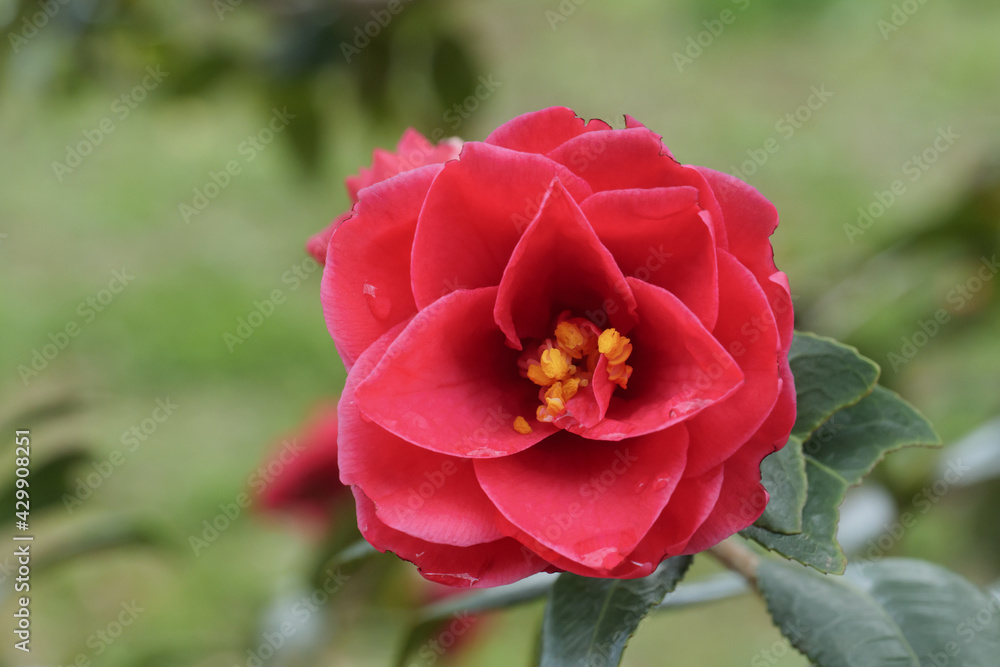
column 521, row 425
column 619, row 374
column 555, row 363
column 570, row 339
column 538, row 376
column 569, row 388
column 542, row 415
column 614, row 346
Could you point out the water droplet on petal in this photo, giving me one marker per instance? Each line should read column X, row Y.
column 673, row 414
column 379, row 304
column 660, row 483
column 639, row 487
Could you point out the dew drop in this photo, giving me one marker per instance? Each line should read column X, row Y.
column 673, row 414
column 660, row 483
column 379, row 304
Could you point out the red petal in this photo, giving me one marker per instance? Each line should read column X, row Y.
column 542, row 131
column 474, row 215
column 680, row 370
column 689, row 507
column 588, row 408
column 303, row 473
column 318, row 243
column 366, row 281
column 741, row 501
column 421, row 493
column 412, row 151
column 448, row 383
column 588, row 501
column 559, row 264
column 750, row 219
column 635, row 158
column 479, row 566
column 746, row 328
column 659, row 236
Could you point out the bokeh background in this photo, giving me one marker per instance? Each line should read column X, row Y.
column 117, row 116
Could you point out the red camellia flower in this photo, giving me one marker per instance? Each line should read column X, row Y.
column 302, row 477
column 566, row 352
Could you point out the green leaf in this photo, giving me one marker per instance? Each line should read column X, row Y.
column 783, row 474
column 896, row 613
column 828, row 376
column 838, row 456
column 589, row 621
column 49, row 481
column 463, row 607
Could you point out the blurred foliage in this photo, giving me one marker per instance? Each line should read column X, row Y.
column 285, row 52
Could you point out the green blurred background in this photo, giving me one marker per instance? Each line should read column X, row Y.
column 725, row 82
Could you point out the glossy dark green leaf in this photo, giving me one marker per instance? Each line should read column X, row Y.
column 895, row 613
column 783, row 474
column 589, row 621
column 839, row 455
column 828, row 376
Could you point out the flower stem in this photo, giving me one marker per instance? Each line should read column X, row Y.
column 738, row 558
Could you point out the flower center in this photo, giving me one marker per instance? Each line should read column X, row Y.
column 564, row 364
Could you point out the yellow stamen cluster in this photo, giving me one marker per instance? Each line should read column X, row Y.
column 617, row 349
column 576, row 339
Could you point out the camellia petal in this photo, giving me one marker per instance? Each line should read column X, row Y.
column 484, row 565
column 448, row 382
column 475, row 214
column 591, row 502
column 748, row 330
column 366, row 281
column 742, row 498
column 560, row 265
column 412, row 151
column 424, row 494
column 659, row 236
column 542, row 131
column 690, row 505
